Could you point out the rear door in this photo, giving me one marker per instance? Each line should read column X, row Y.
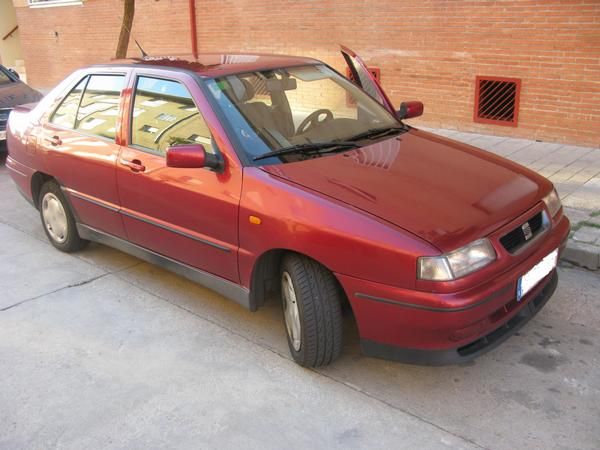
column 190, row 215
column 363, row 78
column 78, row 140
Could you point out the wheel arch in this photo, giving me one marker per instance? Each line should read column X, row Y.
column 265, row 282
column 38, row 179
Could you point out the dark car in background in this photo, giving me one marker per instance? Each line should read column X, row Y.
column 13, row 92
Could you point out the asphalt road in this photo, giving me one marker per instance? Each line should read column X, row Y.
column 100, row 350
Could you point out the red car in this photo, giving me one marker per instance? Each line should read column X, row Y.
column 276, row 177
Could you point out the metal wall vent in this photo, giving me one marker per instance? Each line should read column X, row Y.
column 497, row 100
column 375, row 71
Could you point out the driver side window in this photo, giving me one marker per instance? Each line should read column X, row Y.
column 164, row 114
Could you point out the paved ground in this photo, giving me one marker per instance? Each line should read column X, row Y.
column 575, row 171
column 100, row 350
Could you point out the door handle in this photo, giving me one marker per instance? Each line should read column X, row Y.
column 135, row 165
column 54, row 140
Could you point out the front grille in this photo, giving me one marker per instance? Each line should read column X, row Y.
column 4, row 118
column 518, row 237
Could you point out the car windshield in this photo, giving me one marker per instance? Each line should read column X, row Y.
column 293, row 108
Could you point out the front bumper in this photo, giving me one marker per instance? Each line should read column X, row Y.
column 445, row 328
column 470, row 350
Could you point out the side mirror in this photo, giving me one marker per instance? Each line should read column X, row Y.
column 15, row 73
column 192, row 156
column 408, row 110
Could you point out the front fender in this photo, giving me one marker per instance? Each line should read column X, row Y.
column 342, row 238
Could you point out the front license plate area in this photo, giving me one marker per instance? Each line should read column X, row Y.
column 528, row 281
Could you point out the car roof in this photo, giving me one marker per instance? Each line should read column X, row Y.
column 212, row 65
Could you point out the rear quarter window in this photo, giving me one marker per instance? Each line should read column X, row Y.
column 92, row 106
column 99, row 108
column 66, row 112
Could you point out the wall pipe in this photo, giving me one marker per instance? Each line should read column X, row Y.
column 193, row 31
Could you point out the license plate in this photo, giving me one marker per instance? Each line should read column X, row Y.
column 2, row 135
column 528, row 281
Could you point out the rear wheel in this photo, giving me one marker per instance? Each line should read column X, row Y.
column 58, row 220
column 312, row 311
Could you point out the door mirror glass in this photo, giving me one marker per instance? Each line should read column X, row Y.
column 408, row 110
column 192, row 156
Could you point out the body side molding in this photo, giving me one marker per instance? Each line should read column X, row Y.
column 115, row 208
column 174, row 230
column 224, row 287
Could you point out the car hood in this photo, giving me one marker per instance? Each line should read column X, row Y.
column 443, row 191
column 17, row 93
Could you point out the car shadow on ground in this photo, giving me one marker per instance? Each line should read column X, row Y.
column 544, row 371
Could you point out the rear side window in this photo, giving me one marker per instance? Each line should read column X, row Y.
column 164, row 114
column 99, row 107
column 66, row 112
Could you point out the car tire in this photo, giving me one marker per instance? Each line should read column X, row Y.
column 312, row 311
column 58, row 220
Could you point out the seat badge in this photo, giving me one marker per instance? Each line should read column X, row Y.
column 527, row 231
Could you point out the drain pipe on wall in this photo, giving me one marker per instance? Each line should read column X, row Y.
column 193, row 31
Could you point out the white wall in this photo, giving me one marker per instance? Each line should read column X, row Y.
column 10, row 48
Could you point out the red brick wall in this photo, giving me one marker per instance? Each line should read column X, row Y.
column 429, row 50
column 58, row 40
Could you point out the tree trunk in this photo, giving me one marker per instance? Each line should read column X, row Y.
column 128, row 12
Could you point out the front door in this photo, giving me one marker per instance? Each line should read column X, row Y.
column 364, row 78
column 190, row 215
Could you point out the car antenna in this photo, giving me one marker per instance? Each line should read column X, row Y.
column 144, row 54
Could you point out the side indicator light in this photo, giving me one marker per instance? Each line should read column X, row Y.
column 254, row 220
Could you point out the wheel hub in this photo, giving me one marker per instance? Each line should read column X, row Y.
column 290, row 311
column 55, row 217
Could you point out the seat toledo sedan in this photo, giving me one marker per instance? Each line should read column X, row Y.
column 276, row 178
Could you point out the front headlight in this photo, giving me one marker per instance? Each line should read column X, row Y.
column 552, row 201
column 458, row 263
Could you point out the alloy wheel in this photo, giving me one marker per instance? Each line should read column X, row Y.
column 55, row 218
column 290, row 311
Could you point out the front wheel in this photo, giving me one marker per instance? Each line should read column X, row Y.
column 312, row 311
column 58, row 220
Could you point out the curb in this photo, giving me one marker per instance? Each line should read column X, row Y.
column 580, row 254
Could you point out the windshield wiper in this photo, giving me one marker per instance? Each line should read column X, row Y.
column 377, row 132
column 317, row 147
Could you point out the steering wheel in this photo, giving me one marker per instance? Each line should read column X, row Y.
column 313, row 120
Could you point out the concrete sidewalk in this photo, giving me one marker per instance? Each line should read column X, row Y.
column 575, row 171
column 101, row 350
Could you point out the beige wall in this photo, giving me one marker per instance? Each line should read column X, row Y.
column 10, row 48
